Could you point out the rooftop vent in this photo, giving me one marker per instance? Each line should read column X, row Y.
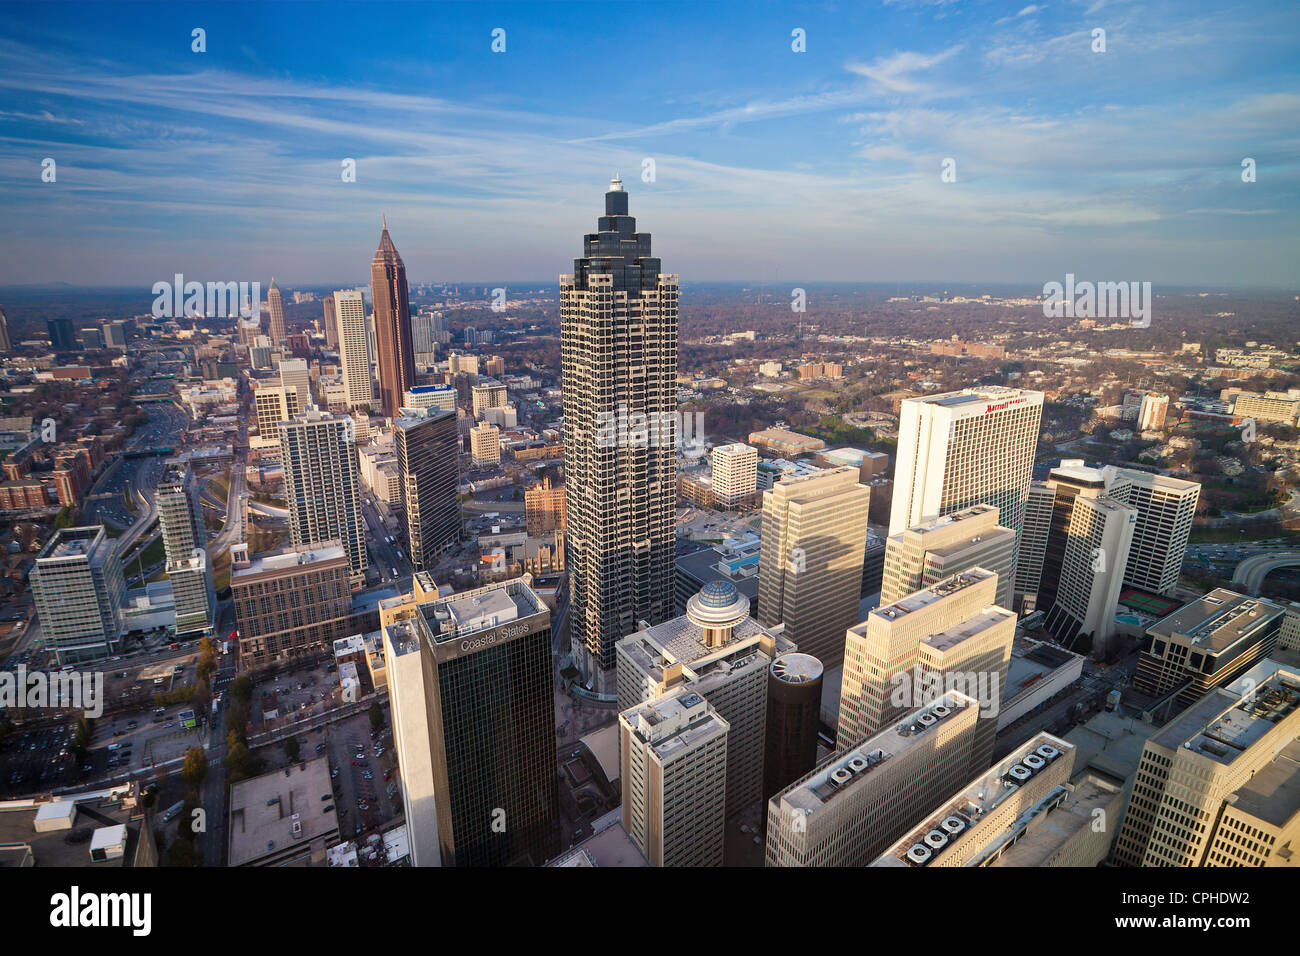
column 953, row 825
column 941, row 711
column 1020, row 773
column 920, row 855
column 1048, row 752
column 936, row 839
column 1033, row 762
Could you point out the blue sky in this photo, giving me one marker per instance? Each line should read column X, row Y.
column 823, row 165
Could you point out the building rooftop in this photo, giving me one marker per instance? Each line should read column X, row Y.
column 1273, row 793
column 609, row 845
column 984, row 795
column 933, row 594
column 1043, row 834
column 287, row 559
column 845, row 771
column 282, row 809
column 1223, row 724
column 1216, row 621
column 979, row 624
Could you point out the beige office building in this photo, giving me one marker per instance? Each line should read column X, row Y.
column 673, row 754
column 717, row 650
column 271, row 405
column 937, row 549
column 1025, row 811
column 1220, row 784
column 485, row 445
column 735, row 475
column 853, row 806
column 296, row 379
column 948, row 636
column 354, row 348
column 810, row 571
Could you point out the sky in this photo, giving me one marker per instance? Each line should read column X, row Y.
column 821, row 165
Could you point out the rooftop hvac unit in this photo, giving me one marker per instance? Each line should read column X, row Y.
column 1020, row 773
column 919, row 854
column 941, row 711
column 925, row 720
column 1033, row 762
column 953, row 825
column 1048, row 752
column 936, row 839
column 841, row 775
column 858, row 764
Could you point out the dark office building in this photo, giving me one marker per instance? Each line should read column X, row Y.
column 428, row 458
column 61, row 335
column 794, row 699
column 392, row 306
column 473, row 708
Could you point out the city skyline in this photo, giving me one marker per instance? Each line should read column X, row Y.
column 826, row 162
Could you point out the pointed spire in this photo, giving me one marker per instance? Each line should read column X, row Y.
column 273, row 282
column 384, row 221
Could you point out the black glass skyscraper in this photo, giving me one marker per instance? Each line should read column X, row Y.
column 618, row 349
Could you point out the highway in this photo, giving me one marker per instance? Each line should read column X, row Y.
column 1250, row 574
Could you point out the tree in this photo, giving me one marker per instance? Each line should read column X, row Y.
column 196, row 767
column 376, row 717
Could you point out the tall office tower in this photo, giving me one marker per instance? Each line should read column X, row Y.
column 735, row 475
column 469, row 680
column 937, row 549
column 673, row 754
column 331, row 323
column 1034, row 534
column 717, row 650
column 78, row 588
column 441, row 334
column 1152, row 411
column 794, row 700
column 180, row 517
column 275, row 305
column 947, row 636
column 61, row 338
column 322, row 486
column 1220, row 784
column 428, row 460
column 271, row 405
column 1165, row 508
column 6, row 343
column 848, row 810
column 1022, row 812
column 1209, row 641
column 354, row 349
column 424, row 340
column 291, row 602
column 389, row 292
column 810, row 572
column 431, row 396
column 618, row 350
column 1092, row 573
column 975, row 446
column 487, row 394
column 495, row 366
column 114, row 335
column 485, row 445
column 296, row 380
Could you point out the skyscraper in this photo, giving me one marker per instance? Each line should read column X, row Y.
column 61, row 337
column 469, row 680
column 674, row 757
column 949, row 545
column 947, row 636
column 275, row 305
column 322, row 486
column 296, row 379
column 428, row 459
column 810, row 573
column 6, row 344
column 392, row 306
column 78, row 588
column 180, row 517
column 965, row 448
column 618, row 345
column 1091, row 573
column 354, row 348
column 331, row 323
